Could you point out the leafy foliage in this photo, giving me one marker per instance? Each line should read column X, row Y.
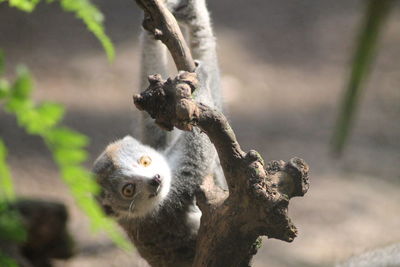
column 25, row 5
column 376, row 14
column 67, row 147
column 6, row 184
column 84, row 10
column 93, row 19
column 6, row 261
column 11, row 228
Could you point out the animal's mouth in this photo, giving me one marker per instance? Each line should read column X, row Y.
column 155, row 185
column 155, row 193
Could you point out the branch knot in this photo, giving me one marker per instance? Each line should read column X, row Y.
column 170, row 102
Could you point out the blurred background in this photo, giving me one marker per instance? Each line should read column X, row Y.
column 284, row 64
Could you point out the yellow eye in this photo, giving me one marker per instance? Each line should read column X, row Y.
column 129, row 190
column 145, row 161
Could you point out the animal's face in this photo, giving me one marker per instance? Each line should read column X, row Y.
column 135, row 178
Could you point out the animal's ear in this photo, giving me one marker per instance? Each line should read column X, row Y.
column 127, row 141
column 103, row 166
column 129, row 138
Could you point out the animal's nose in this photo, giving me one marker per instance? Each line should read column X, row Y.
column 156, row 180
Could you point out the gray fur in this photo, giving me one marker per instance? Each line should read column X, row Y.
column 166, row 234
column 153, row 60
column 383, row 257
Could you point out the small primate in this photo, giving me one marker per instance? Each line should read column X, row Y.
column 149, row 186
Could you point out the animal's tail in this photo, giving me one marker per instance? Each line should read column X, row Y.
column 194, row 14
column 153, row 60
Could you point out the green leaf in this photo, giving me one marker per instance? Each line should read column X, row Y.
column 376, row 14
column 27, row 118
column 67, row 156
column 11, row 227
column 84, row 10
column 24, row 5
column 67, row 148
column 4, row 88
column 17, row 105
column 81, row 181
column 6, row 184
column 22, row 86
column 7, row 261
column 109, row 226
column 48, row 115
column 65, row 137
column 93, row 19
column 35, row 120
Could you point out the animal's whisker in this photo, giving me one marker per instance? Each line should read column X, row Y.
column 132, row 206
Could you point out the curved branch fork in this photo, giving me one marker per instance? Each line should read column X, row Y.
column 259, row 193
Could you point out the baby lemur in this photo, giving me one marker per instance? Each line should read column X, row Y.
column 149, row 186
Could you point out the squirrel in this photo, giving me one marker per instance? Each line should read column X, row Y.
column 150, row 186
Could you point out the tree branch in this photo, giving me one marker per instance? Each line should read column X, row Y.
column 162, row 24
column 259, row 193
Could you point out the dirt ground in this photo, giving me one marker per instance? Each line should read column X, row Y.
column 284, row 66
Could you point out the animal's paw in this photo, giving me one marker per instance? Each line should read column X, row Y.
column 186, row 11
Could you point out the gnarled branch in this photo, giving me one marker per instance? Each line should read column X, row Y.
column 259, row 193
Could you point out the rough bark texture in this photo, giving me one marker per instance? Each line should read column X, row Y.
column 259, row 193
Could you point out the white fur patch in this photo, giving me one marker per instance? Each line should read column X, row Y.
column 193, row 218
column 126, row 154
